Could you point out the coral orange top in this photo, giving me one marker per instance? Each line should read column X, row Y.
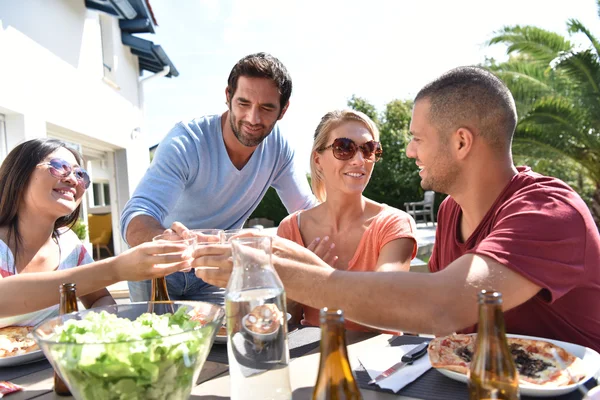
column 390, row 224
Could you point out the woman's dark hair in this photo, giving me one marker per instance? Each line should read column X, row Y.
column 262, row 65
column 15, row 174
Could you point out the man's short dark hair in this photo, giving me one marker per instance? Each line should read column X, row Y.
column 262, row 65
column 474, row 98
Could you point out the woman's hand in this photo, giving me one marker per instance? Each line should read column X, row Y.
column 284, row 249
column 324, row 250
column 151, row 260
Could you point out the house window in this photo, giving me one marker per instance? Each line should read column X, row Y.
column 3, row 139
column 101, row 192
column 109, row 59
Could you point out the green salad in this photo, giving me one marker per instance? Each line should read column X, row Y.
column 152, row 357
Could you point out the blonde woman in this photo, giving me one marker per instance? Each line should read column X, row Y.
column 353, row 232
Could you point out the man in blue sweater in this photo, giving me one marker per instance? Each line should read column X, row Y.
column 213, row 171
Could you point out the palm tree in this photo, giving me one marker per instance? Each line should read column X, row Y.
column 556, row 86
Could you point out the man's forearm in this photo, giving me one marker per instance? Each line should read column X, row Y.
column 384, row 300
column 142, row 229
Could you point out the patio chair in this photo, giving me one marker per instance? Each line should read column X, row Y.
column 423, row 208
column 100, row 226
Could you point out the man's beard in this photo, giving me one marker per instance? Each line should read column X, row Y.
column 247, row 140
column 444, row 180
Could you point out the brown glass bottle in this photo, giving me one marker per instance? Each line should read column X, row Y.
column 159, row 289
column 335, row 379
column 68, row 304
column 493, row 374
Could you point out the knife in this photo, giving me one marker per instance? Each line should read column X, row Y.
column 406, row 359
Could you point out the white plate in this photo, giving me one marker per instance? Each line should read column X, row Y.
column 21, row 359
column 221, row 339
column 591, row 360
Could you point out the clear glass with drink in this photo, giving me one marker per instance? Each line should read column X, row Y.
column 229, row 234
column 190, row 242
column 257, row 344
column 159, row 290
column 205, row 236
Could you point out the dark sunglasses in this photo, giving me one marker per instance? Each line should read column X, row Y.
column 344, row 149
column 60, row 169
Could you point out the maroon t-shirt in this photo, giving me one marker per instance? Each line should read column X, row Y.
column 540, row 228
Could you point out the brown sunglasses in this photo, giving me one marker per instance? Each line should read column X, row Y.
column 344, row 149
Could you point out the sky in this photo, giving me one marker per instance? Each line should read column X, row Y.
column 380, row 50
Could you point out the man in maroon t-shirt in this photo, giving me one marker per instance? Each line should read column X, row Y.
column 541, row 229
column 527, row 236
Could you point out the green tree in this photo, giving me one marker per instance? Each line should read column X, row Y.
column 557, row 90
column 270, row 207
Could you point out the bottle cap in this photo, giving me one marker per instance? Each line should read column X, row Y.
column 333, row 314
column 67, row 286
column 489, row 297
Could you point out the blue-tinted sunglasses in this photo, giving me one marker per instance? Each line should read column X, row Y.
column 60, row 169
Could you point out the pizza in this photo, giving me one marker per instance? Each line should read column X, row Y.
column 16, row 340
column 533, row 358
column 205, row 319
column 263, row 319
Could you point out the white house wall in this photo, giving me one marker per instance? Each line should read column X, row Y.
column 52, row 74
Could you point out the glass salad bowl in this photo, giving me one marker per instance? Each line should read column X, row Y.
column 149, row 350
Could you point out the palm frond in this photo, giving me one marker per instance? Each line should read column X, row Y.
column 554, row 164
column 539, row 148
column 542, row 45
column 575, row 26
column 525, row 80
column 559, row 115
column 584, row 69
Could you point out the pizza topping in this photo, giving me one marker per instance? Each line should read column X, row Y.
column 464, row 353
column 527, row 365
column 16, row 340
column 263, row 319
column 532, row 357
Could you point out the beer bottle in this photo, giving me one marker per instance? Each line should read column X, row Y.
column 159, row 289
column 493, row 374
column 68, row 304
column 335, row 379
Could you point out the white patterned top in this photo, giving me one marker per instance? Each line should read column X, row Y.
column 72, row 254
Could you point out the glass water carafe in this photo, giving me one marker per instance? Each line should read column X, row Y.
column 257, row 344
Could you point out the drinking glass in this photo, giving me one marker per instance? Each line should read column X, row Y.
column 190, row 242
column 229, row 234
column 206, row 237
column 159, row 291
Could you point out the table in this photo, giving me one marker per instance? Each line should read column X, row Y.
column 213, row 383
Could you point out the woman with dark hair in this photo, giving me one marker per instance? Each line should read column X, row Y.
column 42, row 187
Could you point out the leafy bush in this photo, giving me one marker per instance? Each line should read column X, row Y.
column 270, row 207
column 80, row 229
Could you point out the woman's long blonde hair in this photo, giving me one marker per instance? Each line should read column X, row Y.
column 329, row 122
